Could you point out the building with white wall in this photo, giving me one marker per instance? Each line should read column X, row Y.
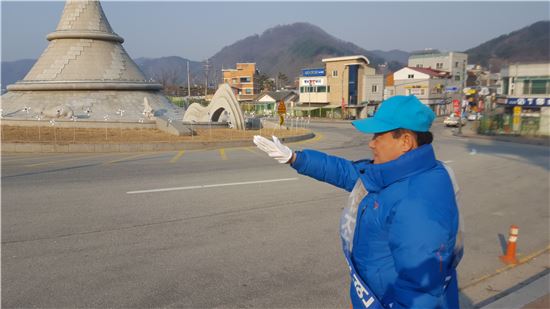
column 526, row 88
column 452, row 62
column 428, row 85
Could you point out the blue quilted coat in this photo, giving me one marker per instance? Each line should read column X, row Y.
column 407, row 224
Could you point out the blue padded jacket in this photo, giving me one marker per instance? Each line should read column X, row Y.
column 407, row 224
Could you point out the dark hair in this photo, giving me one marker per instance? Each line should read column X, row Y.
column 422, row 138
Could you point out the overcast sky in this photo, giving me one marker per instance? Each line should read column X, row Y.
column 197, row 30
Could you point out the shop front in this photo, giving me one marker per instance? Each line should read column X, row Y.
column 519, row 116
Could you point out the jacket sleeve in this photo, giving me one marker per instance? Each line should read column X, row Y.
column 419, row 242
column 334, row 170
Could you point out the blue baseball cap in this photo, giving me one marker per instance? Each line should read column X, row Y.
column 398, row 112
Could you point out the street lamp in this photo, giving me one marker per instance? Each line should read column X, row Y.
column 309, row 98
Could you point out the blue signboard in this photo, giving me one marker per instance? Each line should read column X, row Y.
column 313, row 72
column 529, row 102
column 451, row 89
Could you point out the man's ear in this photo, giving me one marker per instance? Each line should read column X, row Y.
column 408, row 142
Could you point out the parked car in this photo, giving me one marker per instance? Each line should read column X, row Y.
column 453, row 121
column 474, row 116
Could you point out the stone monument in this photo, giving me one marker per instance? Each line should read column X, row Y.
column 86, row 73
column 224, row 107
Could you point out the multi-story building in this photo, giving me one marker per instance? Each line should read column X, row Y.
column 452, row 62
column 347, row 83
column 313, row 92
column 435, row 78
column 347, row 78
column 428, row 85
column 243, row 79
column 526, row 90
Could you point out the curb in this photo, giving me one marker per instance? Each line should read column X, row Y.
column 143, row 147
column 530, row 290
column 509, row 139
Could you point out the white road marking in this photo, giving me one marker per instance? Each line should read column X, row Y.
column 211, row 186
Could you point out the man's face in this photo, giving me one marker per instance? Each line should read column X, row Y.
column 386, row 148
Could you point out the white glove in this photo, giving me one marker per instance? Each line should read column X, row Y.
column 274, row 148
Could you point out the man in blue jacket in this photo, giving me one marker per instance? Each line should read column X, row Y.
column 400, row 229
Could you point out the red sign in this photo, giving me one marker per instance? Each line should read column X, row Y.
column 456, row 107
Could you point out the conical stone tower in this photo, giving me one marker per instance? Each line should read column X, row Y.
column 85, row 72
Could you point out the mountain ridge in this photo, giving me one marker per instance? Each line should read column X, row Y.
column 288, row 48
column 528, row 44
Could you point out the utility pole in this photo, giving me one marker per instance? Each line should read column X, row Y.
column 206, row 68
column 188, row 83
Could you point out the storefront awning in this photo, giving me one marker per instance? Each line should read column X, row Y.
column 305, row 108
column 331, row 106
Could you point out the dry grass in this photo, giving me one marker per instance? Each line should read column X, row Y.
column 16, row 134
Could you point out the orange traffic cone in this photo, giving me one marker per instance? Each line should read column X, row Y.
column 510, row 257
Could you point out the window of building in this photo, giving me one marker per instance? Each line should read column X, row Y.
column 411, row 76
column 248, row 91
column 457, row 77
column 439, row 65
column 539, row 87
column 245, row 79
column 456, row 64
column 322, row 89
column 419, row 65
column 234, row 80
column 422, row 91
column 526, row 87
column 374, row 88
column 334, row 73
column 328, row 88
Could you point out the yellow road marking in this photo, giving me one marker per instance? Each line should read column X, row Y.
column 523, row 260
column 66, row 160
column 177, row 156
column 222, row 154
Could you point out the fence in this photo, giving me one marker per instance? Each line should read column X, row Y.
column 66, row 135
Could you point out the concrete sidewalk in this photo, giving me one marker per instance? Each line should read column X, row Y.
column 532, row 295
column 525, row 285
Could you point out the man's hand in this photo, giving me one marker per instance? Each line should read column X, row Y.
column 274, row 148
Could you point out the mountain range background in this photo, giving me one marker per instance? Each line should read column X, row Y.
column 286, row 49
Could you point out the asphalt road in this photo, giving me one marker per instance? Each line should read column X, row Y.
column 229, row 228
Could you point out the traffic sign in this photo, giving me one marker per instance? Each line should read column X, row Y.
column 281, row 108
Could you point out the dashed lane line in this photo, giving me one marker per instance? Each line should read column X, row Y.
column 177, row 156
column 222, row 154
column 212, row 186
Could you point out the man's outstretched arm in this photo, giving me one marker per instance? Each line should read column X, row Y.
column 334, row 170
